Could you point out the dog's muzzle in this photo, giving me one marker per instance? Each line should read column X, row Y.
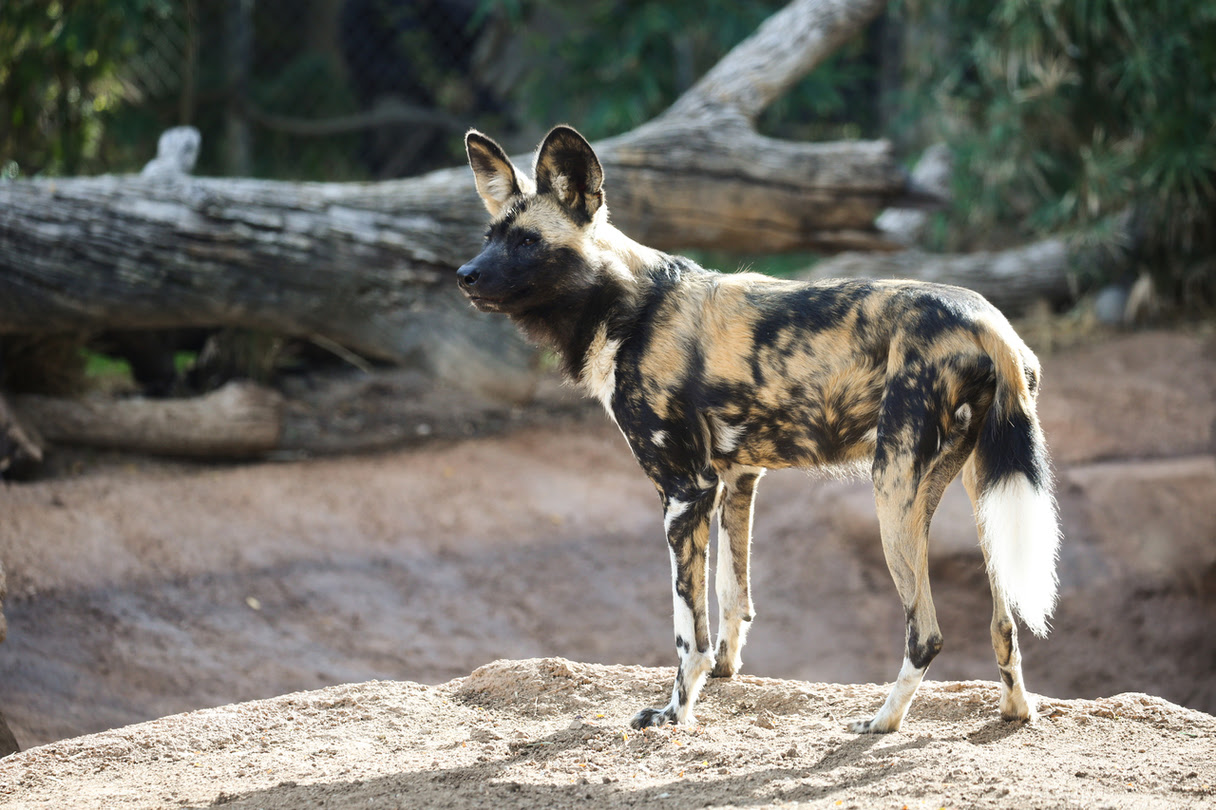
column 467, row 277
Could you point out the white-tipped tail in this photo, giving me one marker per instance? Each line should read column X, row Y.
column 1022, row 537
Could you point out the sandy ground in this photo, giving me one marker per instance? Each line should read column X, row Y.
column 142, row 589
column 550, row 733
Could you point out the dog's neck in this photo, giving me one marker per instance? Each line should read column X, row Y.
column 584, row 327
column 570, row 325
column 635, row 257
column 579, row 325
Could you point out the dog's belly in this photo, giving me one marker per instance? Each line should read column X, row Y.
column 797, row 437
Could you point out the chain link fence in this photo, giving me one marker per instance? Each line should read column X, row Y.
column 323, row 89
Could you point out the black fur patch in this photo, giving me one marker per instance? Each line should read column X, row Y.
column 1010, row 444
column 921, row 652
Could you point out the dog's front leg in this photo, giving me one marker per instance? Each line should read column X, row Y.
column 687, row 525
column 735, row 610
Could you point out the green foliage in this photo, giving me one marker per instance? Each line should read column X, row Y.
column 611, row 65
column 311, row 81
column 59, row 78
column 99, row 366
column 1064, row 114
column 88, row 85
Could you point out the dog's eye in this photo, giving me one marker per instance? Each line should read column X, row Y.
column 528, row 241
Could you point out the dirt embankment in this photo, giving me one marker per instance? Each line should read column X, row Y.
column 139, row 590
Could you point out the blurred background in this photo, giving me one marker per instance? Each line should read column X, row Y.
column 1059, row 115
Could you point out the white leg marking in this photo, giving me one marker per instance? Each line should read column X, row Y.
column 694, row 665
column 732, row 630
column 1016, row 704
column 893, row 710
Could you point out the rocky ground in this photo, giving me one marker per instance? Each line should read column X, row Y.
column 141, row 589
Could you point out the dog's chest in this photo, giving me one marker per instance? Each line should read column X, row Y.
column 599, row 369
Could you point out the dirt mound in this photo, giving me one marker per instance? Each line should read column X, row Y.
column 552, row 733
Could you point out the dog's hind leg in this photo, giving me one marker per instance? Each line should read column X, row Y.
column 686, row 521
column 731, row 578
column 1015, row 703
column 910, row 474
column 905, row 545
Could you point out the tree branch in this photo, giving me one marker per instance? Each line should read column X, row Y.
column 785, row 47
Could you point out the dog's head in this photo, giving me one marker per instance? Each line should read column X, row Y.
column 536, row 253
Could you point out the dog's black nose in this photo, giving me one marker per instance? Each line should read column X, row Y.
column 468, row 275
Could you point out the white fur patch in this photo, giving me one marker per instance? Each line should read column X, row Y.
column 659, row 437
column 1022, row 538
column 500, row 186
column 674, row 510
column 1015, row 703
column 685, row 627
column 599, row 372
column 726, row 437
column 725, row 581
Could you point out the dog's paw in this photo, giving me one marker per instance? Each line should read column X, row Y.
column 723, row 669
column 650, row 718
column 1017, row 708
column 871, row 726
column 1019, row 715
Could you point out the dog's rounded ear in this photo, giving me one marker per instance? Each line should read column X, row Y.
column 495, row 175
column 566, row 166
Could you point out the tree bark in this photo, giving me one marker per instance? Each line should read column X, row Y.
column 369, row 265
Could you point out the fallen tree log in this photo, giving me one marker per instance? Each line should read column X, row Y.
column 321, row 414
column 1011, row 279
column 368, row 265
column 237, row 420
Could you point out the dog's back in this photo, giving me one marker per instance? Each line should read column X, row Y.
column 794, row 374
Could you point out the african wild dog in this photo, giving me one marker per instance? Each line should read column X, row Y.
column 713, row 378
